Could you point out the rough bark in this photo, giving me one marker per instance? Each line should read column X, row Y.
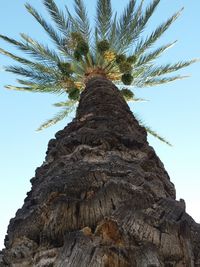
column 102, row 197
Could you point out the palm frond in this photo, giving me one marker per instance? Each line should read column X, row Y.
column 149, row 41
column 149, row 57
column 137, row 25
column 58, row 117
column 82, row 19
column 34, row 75
column 45, row 69
column 139, row 74
column 158, row 81
column 149, row 11
column 103, row 18
column 143, row 20
column 60, row 19
column 130, row 33
column 59, row 41
column 43, row 87
column 35, row 88
column 150, row 75
column 68, row 103
column 12, row 41
column 168, row 68
column 40, row 50
column 125, row 20
column 112, row 38
column 156, row 135
column 33, row 65
column 74, row 26
column 16, row 43
column 19, row 59
column 136, row 99
column 152, row 132
column 140, row 23
column 19, row 88
column 33, row 48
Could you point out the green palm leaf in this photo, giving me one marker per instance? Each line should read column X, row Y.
column 103, row 18
column 137, row 100
column 158, row 81
column 33, row 65
column 40, row 50
column 58, row 16
column 78, row 56
column 141, row 20
column 59, row 41
column 19, row 59
column 34, row 75
column 33, row 48
column 82, row 19
column 43, row 87
column 149, row 57
column 168, row 68
column 152, row 132
column 126, row 20
column 58, row 117
column 156, row 135
column 137, row 25
column 149, row 41
column 113, row 33
column 134, row 27
column 35, row 88
column 68, row 103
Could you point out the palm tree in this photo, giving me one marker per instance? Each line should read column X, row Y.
column 102, row 198
column 82, row 53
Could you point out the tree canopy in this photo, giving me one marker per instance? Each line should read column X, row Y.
column 81, row 52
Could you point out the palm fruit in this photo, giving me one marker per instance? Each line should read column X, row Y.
column 131, row 59
column 76, row 36
column 103, row 46
column 65, row 68
column 77, row 55
column 109, row 56
column 120, row 58
column 82, row 48
column 127, row 78
column 73, row 93
column 125, row 67
column 127, row 94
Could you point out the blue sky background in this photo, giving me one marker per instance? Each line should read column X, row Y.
column 173, row 109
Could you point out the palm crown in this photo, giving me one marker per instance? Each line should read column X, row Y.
column 82, row 52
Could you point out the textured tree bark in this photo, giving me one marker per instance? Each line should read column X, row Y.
column 102, row 197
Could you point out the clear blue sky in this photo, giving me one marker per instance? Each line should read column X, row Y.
column 173, row 109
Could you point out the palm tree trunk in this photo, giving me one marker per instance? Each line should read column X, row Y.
column 102, row 197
